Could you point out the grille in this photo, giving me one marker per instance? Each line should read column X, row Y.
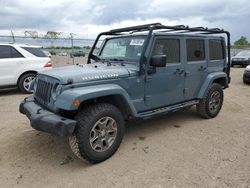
column 43, row 91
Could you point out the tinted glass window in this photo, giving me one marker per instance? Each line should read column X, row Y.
column 35, row 51
column 195, row 50
column 168, row 47
column 216, row 50
column 9, row 52
column 15, row 53
column 5, row 52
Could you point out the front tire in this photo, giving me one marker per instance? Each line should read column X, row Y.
column 210, row 105
column 25, row 81
column 99, row 132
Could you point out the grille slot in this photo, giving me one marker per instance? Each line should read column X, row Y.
column 43, row 91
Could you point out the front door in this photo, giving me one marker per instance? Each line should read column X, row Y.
column 165, row 86
column 195, row 67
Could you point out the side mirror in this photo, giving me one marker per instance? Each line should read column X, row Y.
column 158, row 60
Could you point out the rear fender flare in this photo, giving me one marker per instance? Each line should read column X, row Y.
column 209, row 80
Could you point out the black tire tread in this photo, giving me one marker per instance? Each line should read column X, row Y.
column 84, row 117
column 20, row 82
column 201, row 107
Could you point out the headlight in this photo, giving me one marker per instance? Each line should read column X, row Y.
column 34, row 86
column 248, row 68
column 57, row 91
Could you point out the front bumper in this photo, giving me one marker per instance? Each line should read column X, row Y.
column 46, row 121
column 246, row 77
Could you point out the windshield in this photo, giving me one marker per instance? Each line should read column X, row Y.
column 244, row 53
column 123, row 48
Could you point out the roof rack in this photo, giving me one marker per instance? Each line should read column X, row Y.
column 158, row 26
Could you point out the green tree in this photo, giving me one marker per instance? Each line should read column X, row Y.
column 241, row 42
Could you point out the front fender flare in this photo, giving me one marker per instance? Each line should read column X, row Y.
column 209, row 80
column 66, row 99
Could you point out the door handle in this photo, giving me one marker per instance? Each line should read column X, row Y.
column 179, row 71
column 202, row 68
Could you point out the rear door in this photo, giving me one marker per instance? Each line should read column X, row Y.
column 195, row 66
column 10, row 61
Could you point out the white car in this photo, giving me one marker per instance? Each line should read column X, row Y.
column 19, row 64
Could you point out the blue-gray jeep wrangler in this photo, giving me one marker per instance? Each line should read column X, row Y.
column 137, row 72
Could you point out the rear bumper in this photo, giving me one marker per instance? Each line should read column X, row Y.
column 46, row 121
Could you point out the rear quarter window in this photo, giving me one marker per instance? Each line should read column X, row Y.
column 216, row 49
column 35, row 51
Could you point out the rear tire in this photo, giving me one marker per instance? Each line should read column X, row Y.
column 210, row 105
column 99, row 132
column 25, row 82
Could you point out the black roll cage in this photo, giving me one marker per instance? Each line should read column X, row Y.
column 158, row 26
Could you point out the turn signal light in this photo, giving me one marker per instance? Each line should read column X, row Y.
column 76, row 103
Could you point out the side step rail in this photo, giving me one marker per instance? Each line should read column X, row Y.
column 167, row 109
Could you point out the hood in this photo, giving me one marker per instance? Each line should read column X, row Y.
column 87, row 72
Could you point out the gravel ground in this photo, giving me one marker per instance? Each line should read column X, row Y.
column 175, row 150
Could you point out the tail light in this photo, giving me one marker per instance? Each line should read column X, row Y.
column 48, row 64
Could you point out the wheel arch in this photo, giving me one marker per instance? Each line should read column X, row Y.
column 26, row 72
column 108, row 93
column 116, row 99
column 216, row 77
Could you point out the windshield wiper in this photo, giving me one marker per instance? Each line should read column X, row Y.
column 116, row 59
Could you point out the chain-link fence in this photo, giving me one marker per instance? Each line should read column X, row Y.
column 63, row 50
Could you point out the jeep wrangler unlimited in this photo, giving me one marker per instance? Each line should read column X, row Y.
column 138, row 72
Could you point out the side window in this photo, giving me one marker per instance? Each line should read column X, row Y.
column 9, row 52
column 216, row 50
column 195, row 50
column 168, row 47
column 5, row 52
column 35, row 51
column 15, row 53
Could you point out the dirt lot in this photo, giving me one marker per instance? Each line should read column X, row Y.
column 176, row 150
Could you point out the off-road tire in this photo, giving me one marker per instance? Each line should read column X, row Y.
column 202, row 107
column 86, row 119
column 21, row 82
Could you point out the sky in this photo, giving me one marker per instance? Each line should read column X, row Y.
column 87, row 18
